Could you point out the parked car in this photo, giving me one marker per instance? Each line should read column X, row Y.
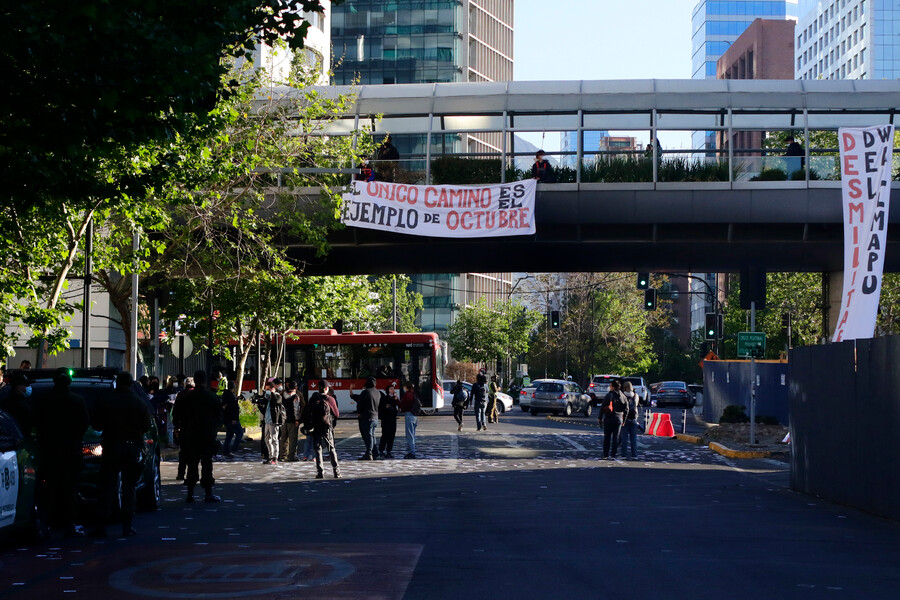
column 558, row 396
column 504, row 401
column 93, row 385
column 673, row 392
column 696, row 390
column 19, row 512
column 527, row 394
column 599, row 386
column 640, row 387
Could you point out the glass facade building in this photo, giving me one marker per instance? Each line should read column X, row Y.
column 855, row 39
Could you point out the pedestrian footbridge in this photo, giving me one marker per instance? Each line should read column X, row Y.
column 731, row 201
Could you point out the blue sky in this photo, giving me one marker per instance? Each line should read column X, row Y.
column 603, row 39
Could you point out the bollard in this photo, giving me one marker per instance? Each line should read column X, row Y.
column 684, row 421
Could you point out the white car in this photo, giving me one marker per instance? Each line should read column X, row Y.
column 504, row 401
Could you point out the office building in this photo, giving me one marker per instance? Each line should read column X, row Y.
column 714, row 28
column 841, row 39
column 568, row 142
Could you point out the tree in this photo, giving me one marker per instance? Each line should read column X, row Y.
column 91, row 99
column 485, row 333
column 408, row 302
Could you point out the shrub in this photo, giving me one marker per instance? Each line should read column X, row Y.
column 734, row 414
column 249, row 413
column 770, row 175
column 455, row 170
column 461, row 370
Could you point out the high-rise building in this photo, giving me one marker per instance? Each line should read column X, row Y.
column 569, row 143
column 433, row 41
column 848, row 39
column 715, row 25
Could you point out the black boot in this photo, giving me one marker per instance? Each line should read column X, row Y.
column 190, row 494
column 210, row 498
column 127, row 529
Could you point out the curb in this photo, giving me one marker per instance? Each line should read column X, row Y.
column 583, row 421
column 690, row 439
column 720, row 449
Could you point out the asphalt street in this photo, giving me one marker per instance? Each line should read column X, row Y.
column 526, row 509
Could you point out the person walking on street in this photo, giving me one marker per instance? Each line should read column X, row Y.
column 630, row 428
column 612, row 413
column 479, row 397
column 319, row 417
column 291, row 426
column 234, row 433
column 61, row 419
column 410, row 405
column 202, row 414
column 124, row 419
column 367, row 410
column 460, row 402
column 273, row 415
column 388, row 408
column 177, row 412
column 492, row 412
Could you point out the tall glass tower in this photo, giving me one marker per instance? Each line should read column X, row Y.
column 715, row 25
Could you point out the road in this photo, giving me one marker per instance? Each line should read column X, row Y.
column 524, row 510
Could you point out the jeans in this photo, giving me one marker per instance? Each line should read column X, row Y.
column 235, row 431
column 479, row 416
column 410, row 420
column 612, row 425
column 308, row 447
column 367, row 429
column 629, row 437
column 326, row 439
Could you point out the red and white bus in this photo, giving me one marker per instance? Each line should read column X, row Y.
column 347, row 359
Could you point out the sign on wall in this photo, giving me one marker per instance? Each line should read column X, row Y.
column 866, row 160
column 448, row 211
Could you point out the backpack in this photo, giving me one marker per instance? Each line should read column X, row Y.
column 321, row 416
column 460, row 397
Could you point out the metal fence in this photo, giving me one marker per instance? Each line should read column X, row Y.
column 845, row 418
column 727, row 383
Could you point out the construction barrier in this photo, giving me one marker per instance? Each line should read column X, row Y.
column 661, row 425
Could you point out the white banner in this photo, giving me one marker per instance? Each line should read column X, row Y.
column 9, row 487
column 447, row 211
column 866, row 159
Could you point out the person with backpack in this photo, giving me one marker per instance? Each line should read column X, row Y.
column 612, row 413
column 319, row 417
column 388, row 407
column 367, row 411
column 459, row 402
column 630, row 428
column 479, row 396
column 291, row 427
column 273, row 416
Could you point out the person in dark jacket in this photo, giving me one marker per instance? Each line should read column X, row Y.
column 479, row 398
column 123, row 418
column 367, row 414
column 291, row 427
column 61, row 419
column 201, row 417
column 630, row 427
column 177, row 421
column 387, row 157
column 234, row 433
column 388, row 407
column 18, row 403
column 410, row 405
column 612, row 413
column 459, row 401
column 323, row 435
column 273, row 417
column 541, row 169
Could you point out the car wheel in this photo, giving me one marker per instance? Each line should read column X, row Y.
column 568, row 411
column 588, row 409
column 149, row 497
column 534, row 412
column 501, row 408
column 428, row 411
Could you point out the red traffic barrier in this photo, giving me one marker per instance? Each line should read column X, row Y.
column 661, row 425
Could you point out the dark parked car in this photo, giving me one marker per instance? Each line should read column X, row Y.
column 674, row 392
column 93, row 385
column 559, row 396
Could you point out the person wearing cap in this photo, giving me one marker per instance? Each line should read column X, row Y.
column 61, row 419
column 123, row 418
column 367, row 414
column 388, row 407
column 18, row 403
column 541, row 169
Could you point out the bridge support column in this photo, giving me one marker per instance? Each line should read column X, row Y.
column 833, row 287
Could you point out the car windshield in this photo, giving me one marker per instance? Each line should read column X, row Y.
column 550, row 387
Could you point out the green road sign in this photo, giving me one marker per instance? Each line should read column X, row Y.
column 751, row 344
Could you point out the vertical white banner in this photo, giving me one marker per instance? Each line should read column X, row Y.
column 866, row 160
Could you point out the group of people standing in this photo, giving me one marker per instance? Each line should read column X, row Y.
column 373, row 405
column 618, row 417
column 483, row 398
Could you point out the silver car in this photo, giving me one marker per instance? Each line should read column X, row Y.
column 558, row 396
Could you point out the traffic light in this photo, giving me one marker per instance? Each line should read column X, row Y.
column 650, row 299
column 711, row 330
column 643, row 281
column 554, row 319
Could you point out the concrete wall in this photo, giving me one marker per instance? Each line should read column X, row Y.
column 727, row 382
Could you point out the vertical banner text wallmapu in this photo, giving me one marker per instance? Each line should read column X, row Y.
column 449, row 211
column 866, row 159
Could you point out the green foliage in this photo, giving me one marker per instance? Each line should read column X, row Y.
column 734, row 414
column 770, row 175
column 483, row 333
column 455, row 170
column 249, row 414
column 408, row 302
